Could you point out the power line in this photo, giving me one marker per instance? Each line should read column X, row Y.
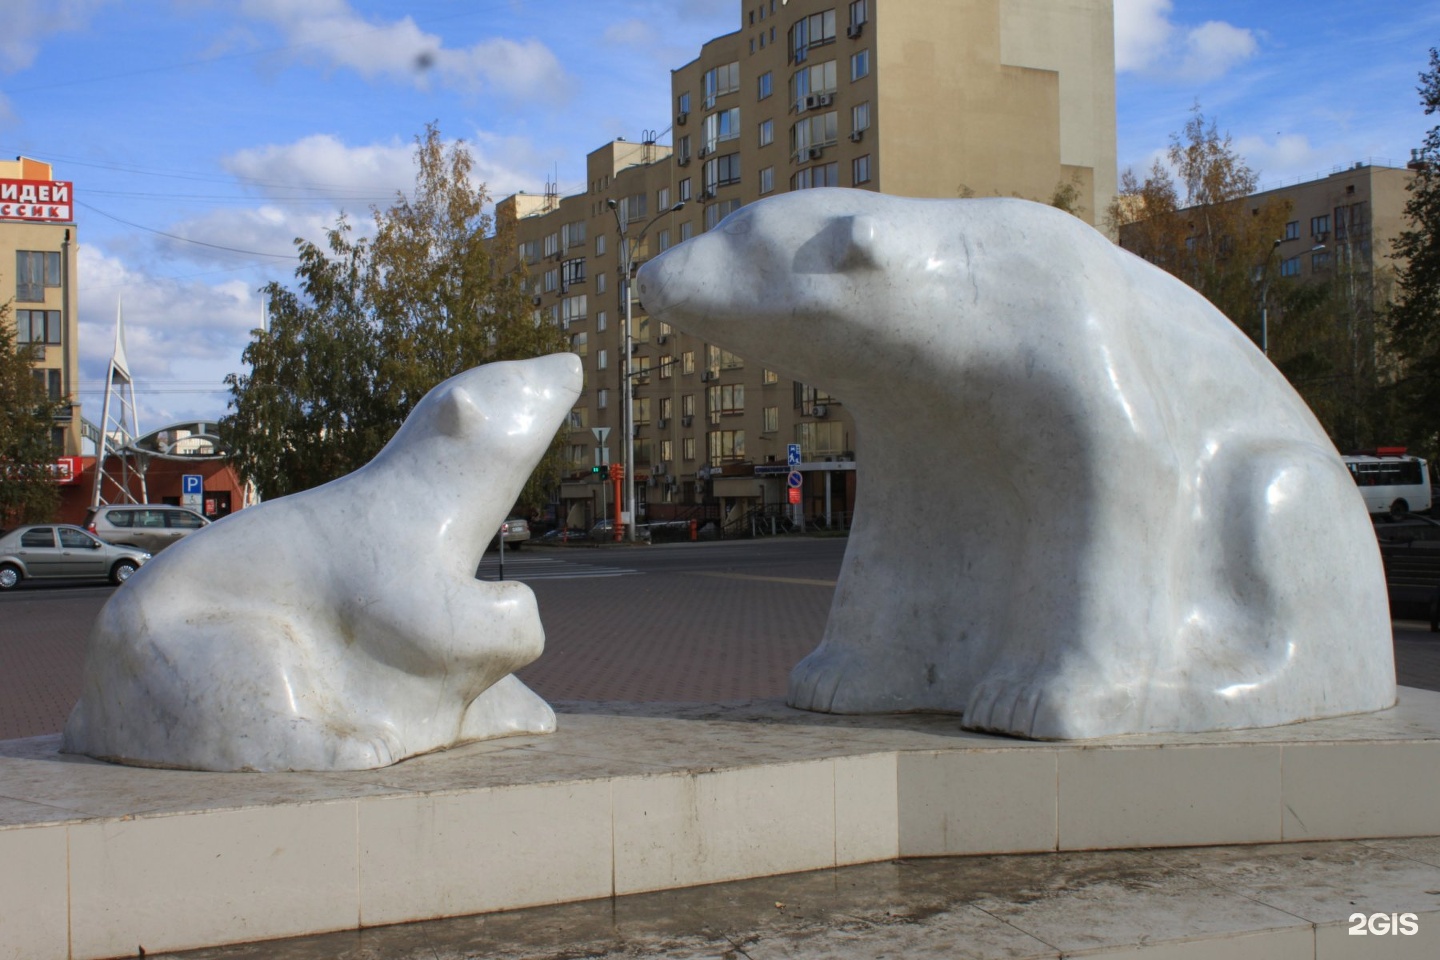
column 201, row 243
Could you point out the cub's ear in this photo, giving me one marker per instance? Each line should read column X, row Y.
column 862, row 247
column 457, row 414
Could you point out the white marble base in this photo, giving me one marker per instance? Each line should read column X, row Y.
column 97, row 859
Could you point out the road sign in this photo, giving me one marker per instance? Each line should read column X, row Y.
column 795, row 479
column 192, row 483
column 792, row 455
column 794, row 494
column 600, row 434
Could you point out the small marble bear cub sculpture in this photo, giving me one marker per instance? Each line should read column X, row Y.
column 1088, row 505
column 341, row 628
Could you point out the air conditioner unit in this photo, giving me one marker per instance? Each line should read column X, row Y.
column 681, row 118
column 536, row 299
column 704, row 152
column 825, row 99
column 811, row 102
column 686, row 421
column 661, row 339
column 684, row 160
column 856, row 136
column 816, row 153
column 820, row 410
column 658, row 468
column 660, row 424
column 707, row 376
column 854, row 30
column 707, row 195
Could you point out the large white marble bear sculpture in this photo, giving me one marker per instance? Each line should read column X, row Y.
column 1087, row 504
column 341, row 628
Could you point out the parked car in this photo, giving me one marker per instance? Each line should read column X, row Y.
column 516, row 532
column 57, row 551
column 144, row 526
column 604, row 531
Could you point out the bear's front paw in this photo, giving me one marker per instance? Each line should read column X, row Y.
column 831, row 680
column 1050, row 708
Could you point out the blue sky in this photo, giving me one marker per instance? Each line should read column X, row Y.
column 242, row 124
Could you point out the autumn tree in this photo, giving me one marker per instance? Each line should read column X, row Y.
column 27, row 486
column 376, row 323
column 1415, row 316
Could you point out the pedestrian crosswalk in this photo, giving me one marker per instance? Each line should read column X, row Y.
column 545, row 568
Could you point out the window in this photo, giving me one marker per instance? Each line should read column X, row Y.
column 810, row 84
column 769, row 376
column 727, row 400
column 720, row 127
column 767, row 180
column 813, row 134
column 600, row 245
column 718, row 359
column 686, row 229
column 34, row 271
column 632, row 208
column 685, row 189
column 552, row 244
column 818, row 439
column 1320, row 226
column 719, row 210
column 600, row 283
column 49, row 381
column 860, row 116
column 578, row 453
column 663, row 240
column 42, row 537
column 1290, row 267
column 667, row 451
column 688, row 446
column 772, row 420
column 600, row 319
column 573, row 234
column 662, row 199
column 722, row 172
column 765, row 85
column 37, row 326
column 530, row 251
column 687, row 405
column 572, row 309
column 579, row 419
column 1320, row 260
column 572, row 271
column 720, row 81
column 602, row 398
column 1292, row 230
column 552, row 280
column 602, row 360
column 682, row 151
column 726, row 446
column 667, row 406
column 640, row 370
column 811, row 31
column 682, row 102
column 822, row 175
column 641, row 409
column 860, row 170
column 860, row 64
column 767, row 133
column 857, row 16
column 667, row 368
column 578, row 344
column 687, row 361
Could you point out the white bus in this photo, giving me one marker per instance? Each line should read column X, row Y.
column 1390, row 484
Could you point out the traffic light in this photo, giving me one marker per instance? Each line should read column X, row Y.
column 601, row 472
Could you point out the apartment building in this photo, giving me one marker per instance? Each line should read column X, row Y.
column 924, row 98
column 38, row 282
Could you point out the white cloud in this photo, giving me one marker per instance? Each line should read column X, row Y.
column 631, row 33
column 1286, row 156
column 322, row 165
column 27, row 22
column 330, row 31
column 1148, row 41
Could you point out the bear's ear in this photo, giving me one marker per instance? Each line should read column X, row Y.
column 458, row 415
column 862, row 248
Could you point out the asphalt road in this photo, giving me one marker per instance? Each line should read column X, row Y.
column 688, row 622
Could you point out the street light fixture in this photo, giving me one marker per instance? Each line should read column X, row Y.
column 1265, row 299
column 627, row 267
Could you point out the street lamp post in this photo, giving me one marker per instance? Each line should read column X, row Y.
column 1265, row 299
column 627, row 267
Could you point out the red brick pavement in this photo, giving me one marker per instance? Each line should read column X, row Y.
column 42, row 648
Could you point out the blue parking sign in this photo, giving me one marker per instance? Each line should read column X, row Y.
column 793, row 454
column 192, row 483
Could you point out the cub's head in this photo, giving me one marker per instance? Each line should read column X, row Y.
column 506, row 412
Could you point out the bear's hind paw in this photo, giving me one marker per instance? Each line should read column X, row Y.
column 1049, row 710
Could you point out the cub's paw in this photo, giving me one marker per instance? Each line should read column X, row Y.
column 504, row 709
column 368, row 750
column 1051, row 708
column 833, row 681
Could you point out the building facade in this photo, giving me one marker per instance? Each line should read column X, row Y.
column 922, row 98
column 38, row 282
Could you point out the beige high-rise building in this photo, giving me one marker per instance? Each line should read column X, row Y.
column 38, row 282
column 923, row 98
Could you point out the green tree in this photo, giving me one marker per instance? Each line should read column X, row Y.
column 27, row 487
column 1415, row 316
column 1199, row 222
column 376, row 324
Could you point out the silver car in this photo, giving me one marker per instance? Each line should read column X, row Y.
column 144, row 526
column 57, row 551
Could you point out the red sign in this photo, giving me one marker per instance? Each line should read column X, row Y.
column 67, row 470
column 35, row 200
column 794, row 494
